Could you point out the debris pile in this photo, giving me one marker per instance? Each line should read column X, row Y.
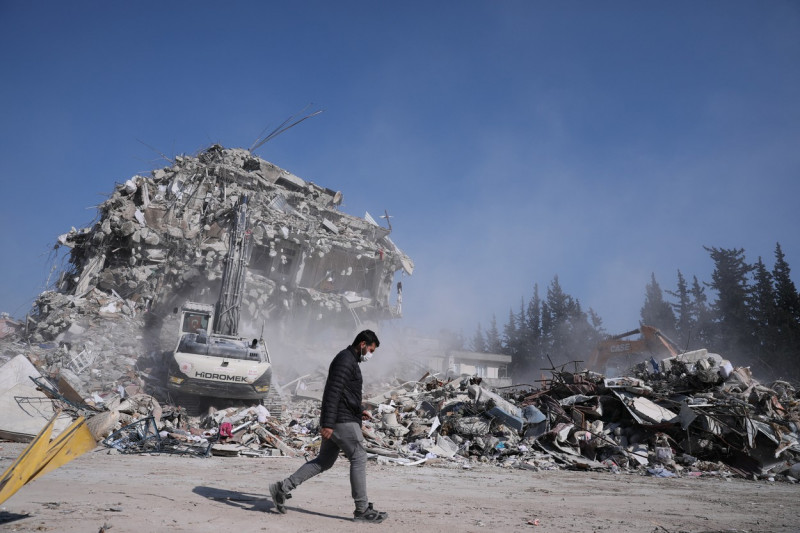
column 96, row 342
column 162, row 239
column 9, row 326
column 692, row 414
column 683, row 419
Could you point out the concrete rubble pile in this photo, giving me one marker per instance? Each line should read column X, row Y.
column 161, row 240
column 689, row 415
column 94, row 342
column 685, row 415
column 693, row 414
column 97, row 343
column 682, row 419
column 163, row 237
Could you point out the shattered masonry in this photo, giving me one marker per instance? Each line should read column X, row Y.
column 690, row 417
column 162, row 240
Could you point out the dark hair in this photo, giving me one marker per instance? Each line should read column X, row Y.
column 367, row 336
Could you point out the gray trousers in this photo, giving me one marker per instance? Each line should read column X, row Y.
column 347, row 437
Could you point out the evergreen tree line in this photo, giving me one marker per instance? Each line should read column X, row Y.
column 746, row 313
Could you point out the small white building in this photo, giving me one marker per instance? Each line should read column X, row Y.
column 430, row 354
column 492, row 367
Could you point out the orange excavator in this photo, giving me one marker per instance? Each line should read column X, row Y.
column 652, row 342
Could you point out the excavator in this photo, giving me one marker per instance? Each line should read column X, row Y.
column 651, row 342
column 211, row 359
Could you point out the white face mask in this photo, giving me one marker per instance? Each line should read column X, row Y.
column 366, row 355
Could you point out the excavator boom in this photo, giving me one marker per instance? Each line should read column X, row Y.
column 651, row 342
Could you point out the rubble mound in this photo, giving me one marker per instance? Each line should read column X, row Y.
column 674, row 422
column 161, row 240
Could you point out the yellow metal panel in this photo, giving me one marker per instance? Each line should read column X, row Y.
column 27, row 463
column 42, row 456
column 71, row 443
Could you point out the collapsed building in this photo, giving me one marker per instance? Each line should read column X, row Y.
column 163, row 239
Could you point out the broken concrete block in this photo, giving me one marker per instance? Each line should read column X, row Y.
column 225, row 450
column 472, row 425
column 512, row 421
column 18, row 422
column 70, row 386
column 103, row 424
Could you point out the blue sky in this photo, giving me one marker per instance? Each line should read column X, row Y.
column 510, row 141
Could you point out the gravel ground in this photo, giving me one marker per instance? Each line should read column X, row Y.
column 101, row 491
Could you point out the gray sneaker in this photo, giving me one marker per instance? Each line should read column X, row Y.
column 279, row 497
column 369, row 515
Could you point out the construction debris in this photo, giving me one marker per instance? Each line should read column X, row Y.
column 9, row 326
column 688, row 415
column 673, row 422
column 162, row 239
column 95, row 345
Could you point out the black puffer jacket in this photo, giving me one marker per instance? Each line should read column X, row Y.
column 341, row 400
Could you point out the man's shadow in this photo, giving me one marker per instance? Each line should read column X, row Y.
column 252, row 502
column 7, row 518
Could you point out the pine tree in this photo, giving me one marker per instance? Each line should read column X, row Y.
column 583, row 333
column 596, row 321
column 682, row 309
column 511, row 342
column 786, row 297
column 478, row 343
column 763, row 313
column 493, row 343
column 524, row 349
column 547, row 330
column 732, row 316
column 598, row 333
column 656, row 311
column 787, row 316
column 510, row 335
column 533, row 327
column 703, row 335
column 560, row 306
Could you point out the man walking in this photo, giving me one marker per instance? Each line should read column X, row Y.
column 340, row 423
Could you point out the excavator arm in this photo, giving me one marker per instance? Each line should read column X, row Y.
column 651, row 341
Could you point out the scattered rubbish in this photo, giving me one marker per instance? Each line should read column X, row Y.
column 143, row 436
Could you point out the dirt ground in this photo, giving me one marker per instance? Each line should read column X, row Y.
column 131, row 493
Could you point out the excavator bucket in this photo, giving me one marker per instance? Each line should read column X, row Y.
column 42, row 456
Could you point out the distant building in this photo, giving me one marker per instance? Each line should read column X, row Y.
column 431, row 354
column 492, row 367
